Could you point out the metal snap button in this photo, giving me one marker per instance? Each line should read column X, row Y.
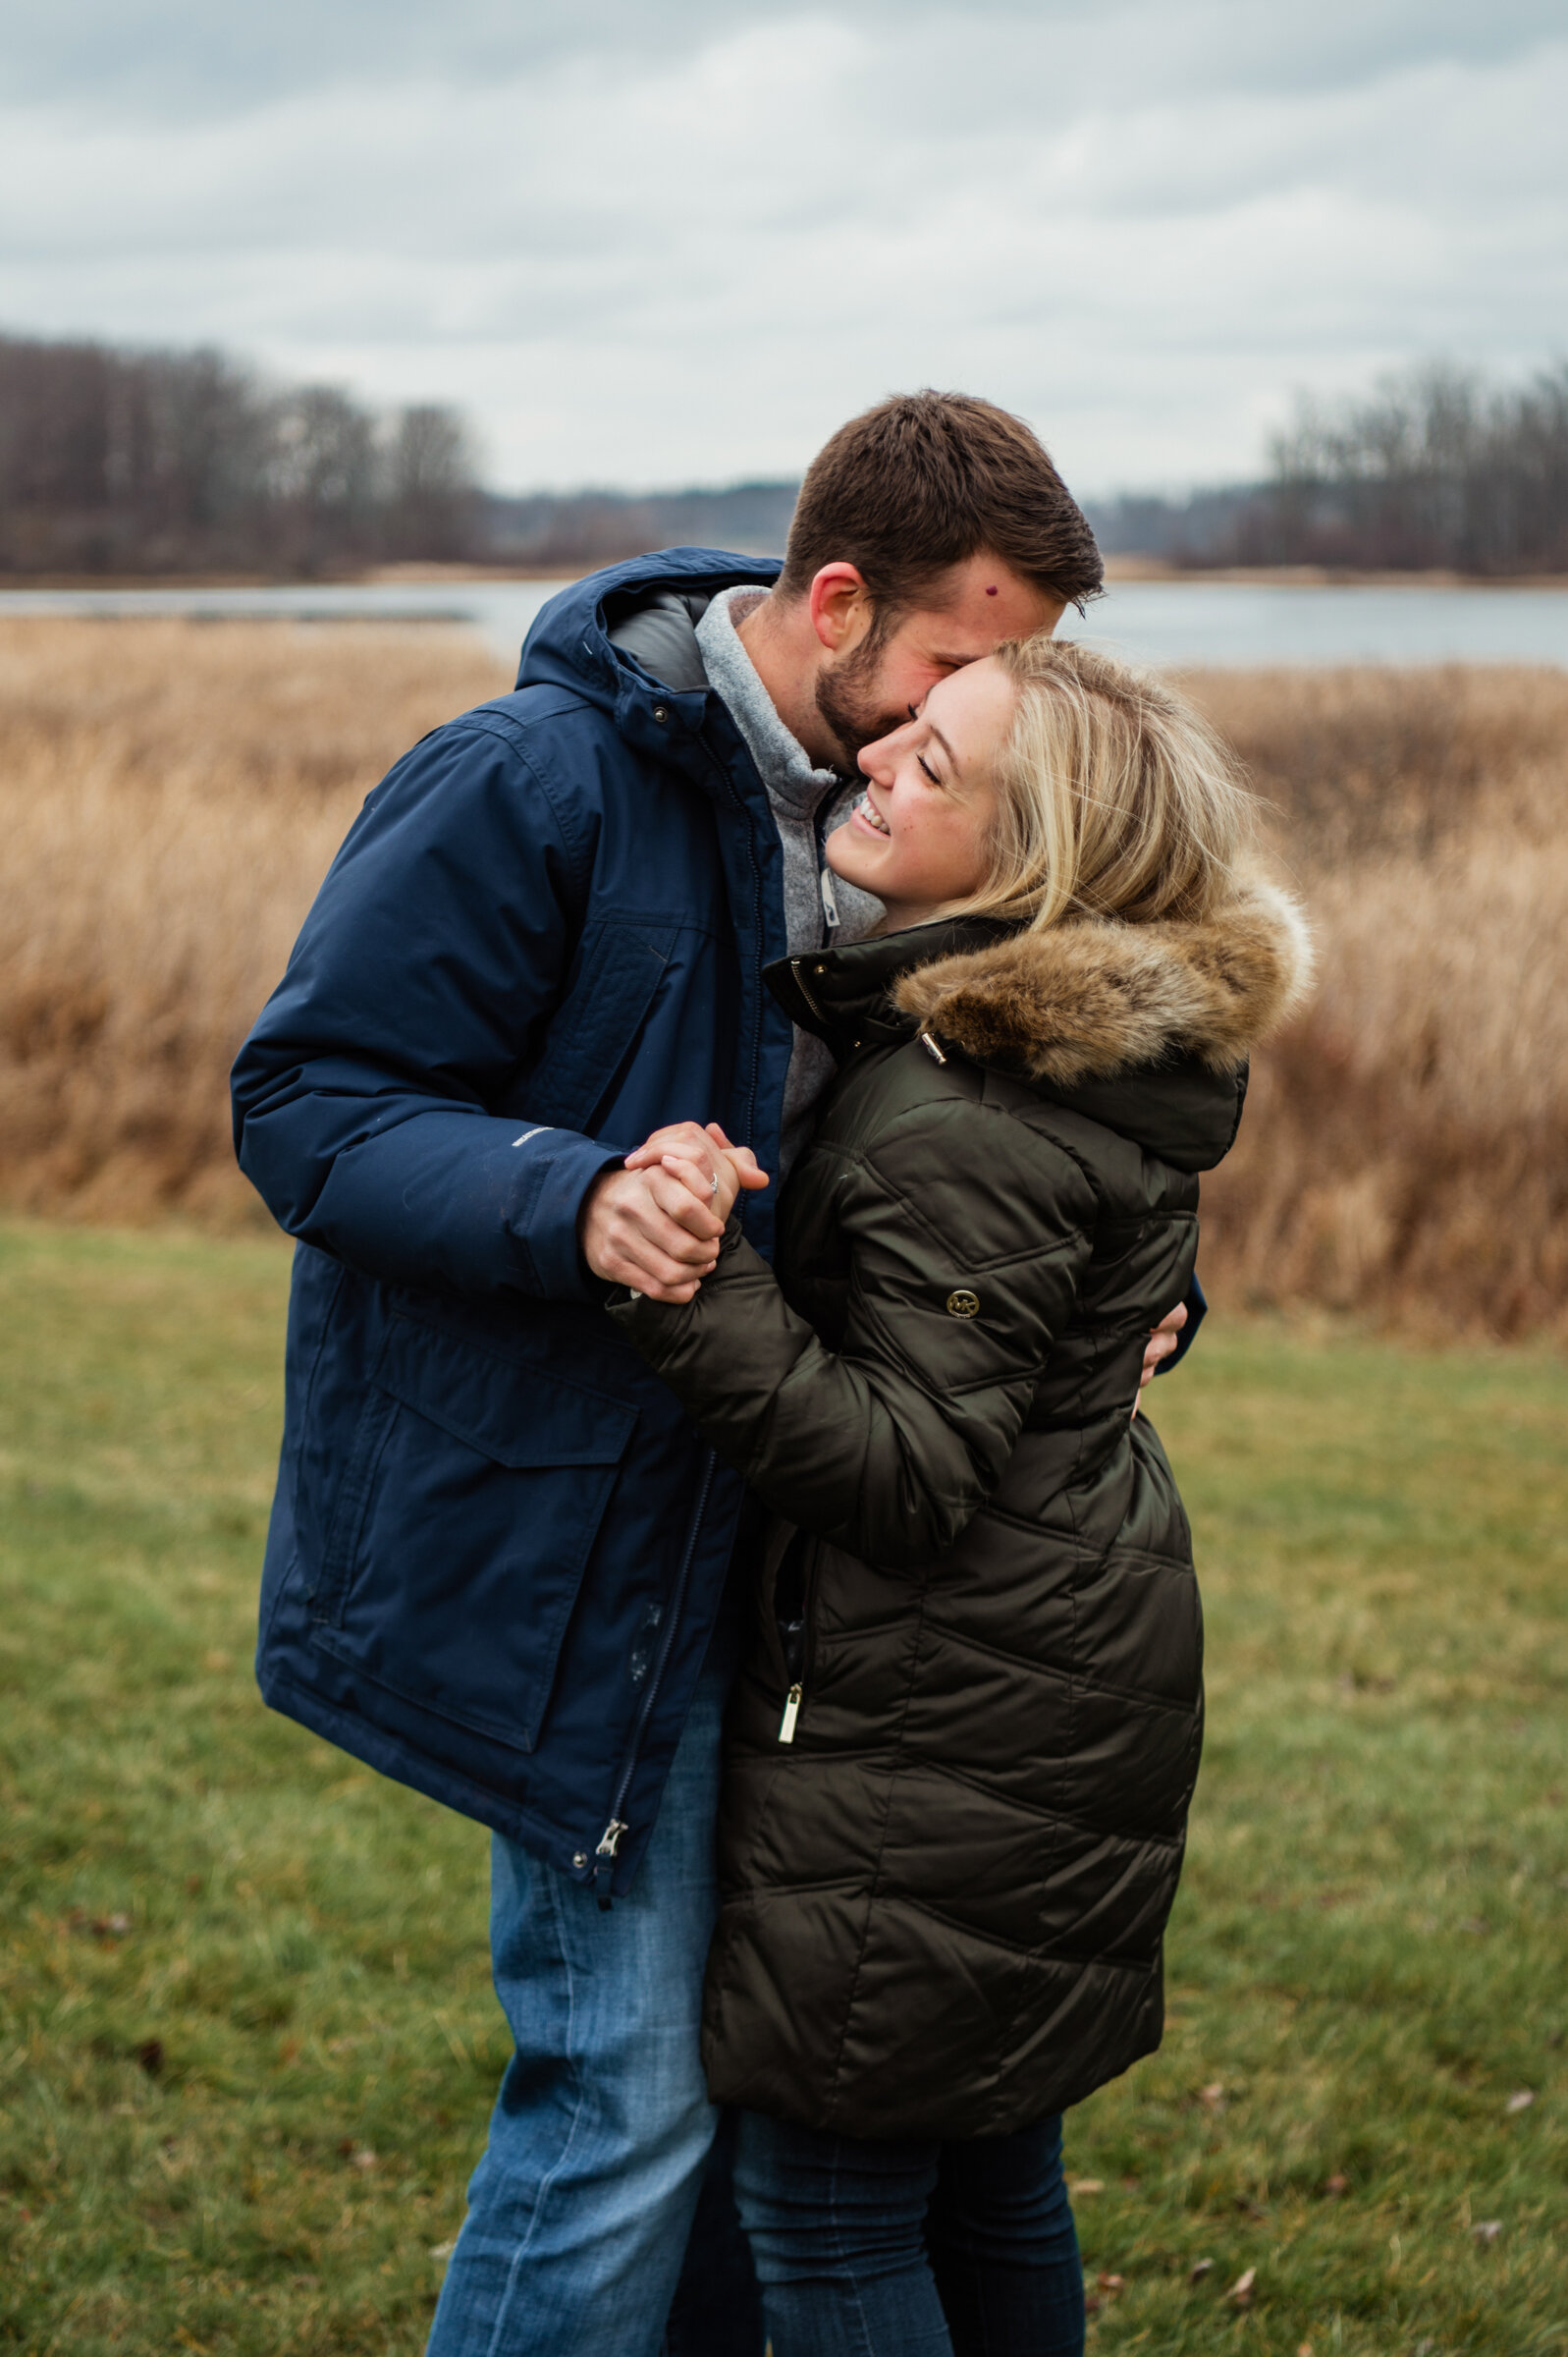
column 580, row 1860
column 963, row 1304
column 661, row 713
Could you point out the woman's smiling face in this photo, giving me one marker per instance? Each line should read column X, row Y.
column 919, row 835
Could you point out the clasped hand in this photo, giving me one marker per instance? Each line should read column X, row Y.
column 655, row 1223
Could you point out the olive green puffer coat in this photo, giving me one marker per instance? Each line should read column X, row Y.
column 960, row 1758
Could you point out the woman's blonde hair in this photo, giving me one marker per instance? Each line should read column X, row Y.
column 1113, row 798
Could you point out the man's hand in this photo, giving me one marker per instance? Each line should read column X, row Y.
column 655, row 1223
column 1160, row 1343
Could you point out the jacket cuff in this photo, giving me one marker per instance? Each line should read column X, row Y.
column 562, row 1166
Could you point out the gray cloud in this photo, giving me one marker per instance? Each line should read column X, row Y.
column 185, row 60
column 650, row 243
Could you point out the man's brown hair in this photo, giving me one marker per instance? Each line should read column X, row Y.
column 909, row 489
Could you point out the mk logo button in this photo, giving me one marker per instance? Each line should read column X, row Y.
column 963, row 1304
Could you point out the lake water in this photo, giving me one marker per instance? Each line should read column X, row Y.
column 1153, row 622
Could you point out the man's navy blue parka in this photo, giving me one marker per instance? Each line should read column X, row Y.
column 497, row 1549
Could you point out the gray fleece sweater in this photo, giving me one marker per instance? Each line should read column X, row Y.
column 816, row 904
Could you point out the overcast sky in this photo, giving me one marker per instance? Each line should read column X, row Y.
column 654, row 241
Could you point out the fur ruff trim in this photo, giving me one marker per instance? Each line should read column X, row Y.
column 1093, row 998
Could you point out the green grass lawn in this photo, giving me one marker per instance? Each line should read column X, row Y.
column 247, row 2039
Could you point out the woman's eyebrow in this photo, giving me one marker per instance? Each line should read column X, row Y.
column 946, row 747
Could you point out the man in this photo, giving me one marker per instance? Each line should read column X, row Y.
column 498, row 1554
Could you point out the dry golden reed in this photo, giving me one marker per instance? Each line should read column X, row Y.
column 1405, row 1150
column 171, row 794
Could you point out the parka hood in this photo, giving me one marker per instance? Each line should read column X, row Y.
column 1093, row 999
column 569, row 643
column 1145, row 1028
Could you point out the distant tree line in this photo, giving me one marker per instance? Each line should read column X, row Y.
column 185, row 461
column 596, row 527
column 1198, row 531
column 147, row 463
column 1435, row 470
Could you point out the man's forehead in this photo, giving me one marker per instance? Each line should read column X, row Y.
column 989, row 602
column 938, row 638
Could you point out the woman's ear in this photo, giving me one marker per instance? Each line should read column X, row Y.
column 841, row 607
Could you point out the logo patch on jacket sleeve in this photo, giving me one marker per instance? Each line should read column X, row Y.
column 963, row 1303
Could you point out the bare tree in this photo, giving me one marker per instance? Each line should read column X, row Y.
column 431, row 486
column 321, row 479
column 160, row 461
column 1433, row 470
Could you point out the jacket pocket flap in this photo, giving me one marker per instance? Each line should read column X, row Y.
column 622, row 967
column 515, row 1416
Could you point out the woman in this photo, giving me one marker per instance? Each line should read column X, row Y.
column 961, row 1757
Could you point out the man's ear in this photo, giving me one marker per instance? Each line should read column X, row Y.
column 841, row 607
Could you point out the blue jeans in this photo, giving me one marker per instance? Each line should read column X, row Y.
column 581, row 2209
column 912, row 2249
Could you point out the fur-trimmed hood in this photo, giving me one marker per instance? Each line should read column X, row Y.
column 1145, row 1028
column 1092, row 999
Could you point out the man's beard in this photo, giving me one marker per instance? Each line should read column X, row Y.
column 846, row 698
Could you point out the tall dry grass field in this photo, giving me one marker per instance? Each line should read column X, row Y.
column 171, row 794
column 1405, row 1150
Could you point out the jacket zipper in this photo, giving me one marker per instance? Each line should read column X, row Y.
column 797, row 969
column 797, row 1659
column 609, row 1843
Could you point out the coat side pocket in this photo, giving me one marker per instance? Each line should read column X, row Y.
column 468, row 1513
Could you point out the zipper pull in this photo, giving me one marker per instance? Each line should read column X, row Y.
column 609, row 1843
column 791, row 1711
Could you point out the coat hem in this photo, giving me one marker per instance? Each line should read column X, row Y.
column 391, row 1757
column 961, row 2122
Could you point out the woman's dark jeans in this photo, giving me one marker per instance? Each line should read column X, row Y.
column 911, row 2250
